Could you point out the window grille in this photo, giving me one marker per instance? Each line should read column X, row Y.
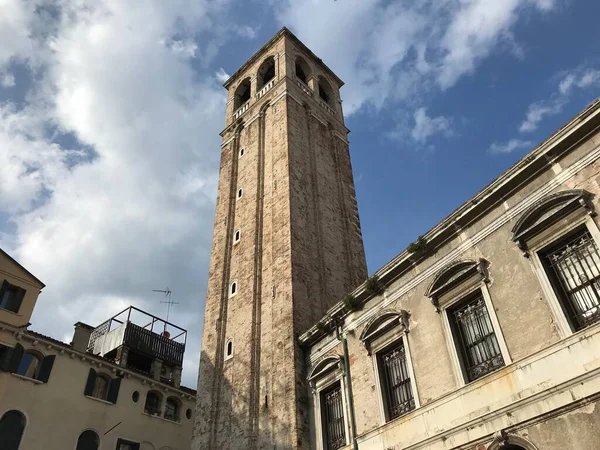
column 332, row 412
column 396, row 382
column 574, row 269
column 475, row 338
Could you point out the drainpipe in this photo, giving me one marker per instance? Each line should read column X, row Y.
column 342, row 338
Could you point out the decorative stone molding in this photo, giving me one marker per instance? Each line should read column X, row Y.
column 453, row 274
column 503, row 439
column 381, row 323
column 324, row 366
column 547, row 211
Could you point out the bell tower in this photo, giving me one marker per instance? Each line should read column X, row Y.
column 287, row 245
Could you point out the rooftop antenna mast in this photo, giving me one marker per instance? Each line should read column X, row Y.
column 169, row 301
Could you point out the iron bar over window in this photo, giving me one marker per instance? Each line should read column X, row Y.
column 574, row 269
column 396, row 382
column 475, row 337
column 332, row 414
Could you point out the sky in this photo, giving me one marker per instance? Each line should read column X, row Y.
column 110, row 114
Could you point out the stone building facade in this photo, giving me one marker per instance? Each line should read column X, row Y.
column 482, row 335
column 58, row 396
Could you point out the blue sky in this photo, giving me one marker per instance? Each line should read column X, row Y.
column 110, row 113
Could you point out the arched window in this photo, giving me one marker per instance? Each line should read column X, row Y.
column 88, row 440
column 30, row 365
column 266, row 73
column 229, row 351
column 172, row 409
column 325, row 91
column 152, row 405
column 101, row 386
column 233, row 288
column 242, row 94
column 302, row 70
column 12, row 425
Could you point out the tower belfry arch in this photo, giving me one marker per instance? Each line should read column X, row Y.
column 287, row 246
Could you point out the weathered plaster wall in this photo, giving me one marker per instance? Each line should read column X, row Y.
column 522, row 308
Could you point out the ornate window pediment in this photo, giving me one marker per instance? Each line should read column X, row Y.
column 382, row 323
column 453, row 274
column 325, row 366
column 548, row 211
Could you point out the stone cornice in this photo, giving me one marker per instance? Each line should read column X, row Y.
column 540, row 159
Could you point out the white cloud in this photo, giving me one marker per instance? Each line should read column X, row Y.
column 186, row 49
column 426, row 126
column 536, row 112
column 222, row 76
column 510, row 146
column 7, row 80
column 589, row 78
column 387, row 51
column 246, row 31
column 127, row 206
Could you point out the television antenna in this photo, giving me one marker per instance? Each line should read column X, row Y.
column 168, row 300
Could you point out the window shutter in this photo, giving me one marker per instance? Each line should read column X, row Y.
column 113, row 390
column 46, row 368
column 91, row 382
column 15, row 359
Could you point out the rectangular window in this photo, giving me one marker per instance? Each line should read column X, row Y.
column 11, row 297
column 573, row 266
column 474, row 336
column 122, row 444
column 332, row 416
column 395, row 382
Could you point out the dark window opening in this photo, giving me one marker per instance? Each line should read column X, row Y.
column 88, row 440
column 302, row 70
column 395, row 380
column 11, row 297
column 188, row 413
column 573, row 266
column 122, row 444
column 12, row 425
column 229, row 348
column 139, row 362
column 135, row 396
column 325, row 92
column 241, row 152
column 240, row 192
column 101, row 387
column 332, row 416
column 29, row 366
column 172, row 409
column 266, row 73
column 152, row 404
column 474, row 336
column 233, row 288
column 242, row 94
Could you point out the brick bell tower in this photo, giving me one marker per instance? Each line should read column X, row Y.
column 287, row 245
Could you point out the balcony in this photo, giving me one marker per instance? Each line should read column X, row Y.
column 241, row 110
column 265, row 89
column 152, row 340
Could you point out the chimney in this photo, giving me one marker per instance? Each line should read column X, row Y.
column 81, row 336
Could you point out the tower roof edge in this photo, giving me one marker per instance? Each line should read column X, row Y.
column 284, row 31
